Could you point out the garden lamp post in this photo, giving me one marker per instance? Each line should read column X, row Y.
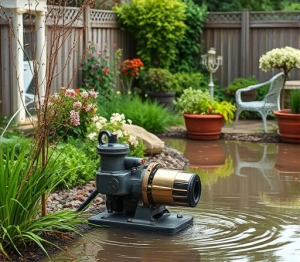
column 212, row 63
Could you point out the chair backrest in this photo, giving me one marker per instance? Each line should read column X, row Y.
column 276, row 84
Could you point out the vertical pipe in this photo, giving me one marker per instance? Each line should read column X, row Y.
column 41, row 53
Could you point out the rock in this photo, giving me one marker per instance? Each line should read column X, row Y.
column 153, row 144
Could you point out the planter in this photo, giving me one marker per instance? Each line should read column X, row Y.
column 249, row 95
column 203, row 127
column 163, row 98
column 288, row 126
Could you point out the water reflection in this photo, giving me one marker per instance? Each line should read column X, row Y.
column 250, row 214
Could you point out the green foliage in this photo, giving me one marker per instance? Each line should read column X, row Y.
column 21, row 188
column 239, row 83
column 185, row 80
column 158, row 80
column 157, row 26
column 83, row 166
column 199, row 102
column 149, row 115
column 295, row 101
column 189, row 48
column 18, row 143
column 292, row 7
column 98, row 73
column 239, row 5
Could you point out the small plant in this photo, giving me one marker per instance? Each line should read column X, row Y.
column 115, row 126
column 295, row 101
column 200, row 102
column 71, row 112
column 130, row 69
column 282, row 58
column 239, row 83
column 158, row 80
column 98, row 73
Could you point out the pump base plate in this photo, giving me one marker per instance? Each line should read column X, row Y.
column 169, row 225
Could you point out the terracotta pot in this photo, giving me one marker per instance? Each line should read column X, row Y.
column 288, row 126
column 163, row 98
column 203, row 127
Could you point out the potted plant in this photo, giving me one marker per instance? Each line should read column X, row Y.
column 288, row 120
column 159, row 85
column 239, row 83
column 204, row 116
column 284, row 59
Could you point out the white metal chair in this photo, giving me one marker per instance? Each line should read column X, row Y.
column 270, row 102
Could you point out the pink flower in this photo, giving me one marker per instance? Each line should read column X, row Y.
column 77, row 105
column 92, row 73
column 70, row 92
column 91, row 55
column 74, row 115
column 106, row 70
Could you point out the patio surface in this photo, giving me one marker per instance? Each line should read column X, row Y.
column 250, row 127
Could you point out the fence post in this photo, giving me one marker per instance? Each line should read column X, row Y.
column 87, row 27
column 245, row 27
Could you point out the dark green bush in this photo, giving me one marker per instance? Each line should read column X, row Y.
column 295, row 101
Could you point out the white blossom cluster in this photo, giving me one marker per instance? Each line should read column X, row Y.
column 285, row 58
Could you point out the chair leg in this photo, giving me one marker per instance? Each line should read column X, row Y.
column 237, row 115
column 264, row 118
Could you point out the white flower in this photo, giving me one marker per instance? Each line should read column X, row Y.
column 92, row 136
column 129, row 121
column 70, row 92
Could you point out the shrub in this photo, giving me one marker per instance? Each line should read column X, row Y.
column 71, row 158
column 185, row 80
column 71, row 112
column 189, row 48
column 158, row 80
column 99, row 72
column 157, row 27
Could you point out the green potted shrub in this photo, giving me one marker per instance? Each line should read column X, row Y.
column 204, row 116
column 159, row 85
column 239, row 83
column 288, row 120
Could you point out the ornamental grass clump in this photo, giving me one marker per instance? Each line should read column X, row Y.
column 282, row 58
column 21, row 188
column 295, row 101
column 200, row 102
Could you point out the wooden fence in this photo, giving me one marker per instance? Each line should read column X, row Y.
column 239, row 37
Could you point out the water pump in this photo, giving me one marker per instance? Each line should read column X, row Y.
column 136, row 194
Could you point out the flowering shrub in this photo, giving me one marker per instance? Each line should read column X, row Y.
column 71, row 111
column 115, row 126
column 282, row 58
column 98, row 73
column 130, row 69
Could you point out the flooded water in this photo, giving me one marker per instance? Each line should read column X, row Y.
column 249, row 211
